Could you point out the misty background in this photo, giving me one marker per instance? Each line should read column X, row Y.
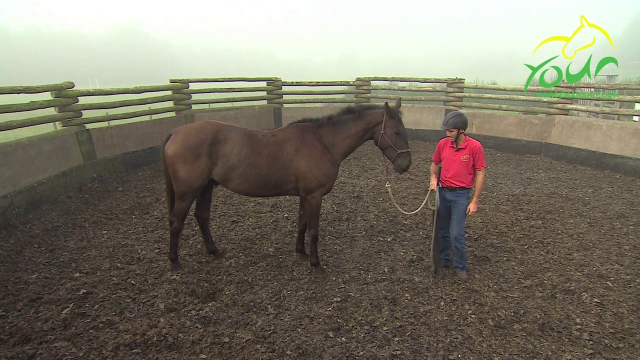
column 128, row 43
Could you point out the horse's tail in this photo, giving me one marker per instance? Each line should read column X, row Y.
column 171, row 197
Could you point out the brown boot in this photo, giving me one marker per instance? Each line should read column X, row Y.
column 462, row 275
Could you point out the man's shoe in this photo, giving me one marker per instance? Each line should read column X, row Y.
column 462, row 275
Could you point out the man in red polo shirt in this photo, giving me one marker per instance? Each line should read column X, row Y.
column 463, row 163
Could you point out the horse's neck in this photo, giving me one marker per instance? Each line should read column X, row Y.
column 344, row 138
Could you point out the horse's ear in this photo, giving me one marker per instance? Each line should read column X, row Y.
column 387, row 109
column 398, row 104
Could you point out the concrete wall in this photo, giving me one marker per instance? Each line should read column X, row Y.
column 608, row 136
column 29, row 160
column 38, row 169
column 116, row 140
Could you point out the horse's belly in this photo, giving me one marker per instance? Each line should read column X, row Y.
column 260, row 169
column 257, row 185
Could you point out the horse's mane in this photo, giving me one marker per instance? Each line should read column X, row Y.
column 353, row 110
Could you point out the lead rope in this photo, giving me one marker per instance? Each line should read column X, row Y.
column 388, row 186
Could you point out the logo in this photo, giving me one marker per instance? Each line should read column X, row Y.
column 572, row 46
column 465, row 158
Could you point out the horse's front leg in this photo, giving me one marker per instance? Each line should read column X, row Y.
column 302, row 230
column 312, row 205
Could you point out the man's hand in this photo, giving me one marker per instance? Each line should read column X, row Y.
column 472, row 208
column 434, row 184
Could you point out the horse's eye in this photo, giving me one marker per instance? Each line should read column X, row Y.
column 396, row 131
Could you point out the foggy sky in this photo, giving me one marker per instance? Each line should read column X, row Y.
column 124, row 43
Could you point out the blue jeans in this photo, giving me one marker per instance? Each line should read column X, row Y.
column 452, row 216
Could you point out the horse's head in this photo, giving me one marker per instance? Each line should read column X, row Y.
column 392, row 138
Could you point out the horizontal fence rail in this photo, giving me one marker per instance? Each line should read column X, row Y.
column 36, row 105
column 70, row 106
column 344, row 92
column 560, row 100
column 118, row 104
column 263, row 98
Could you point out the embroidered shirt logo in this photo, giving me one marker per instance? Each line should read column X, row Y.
column 465, row 158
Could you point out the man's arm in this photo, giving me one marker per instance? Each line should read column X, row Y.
column 473, row 205
column 435, row 165
column 433, row 184
column 479, row 183
column 480, row 166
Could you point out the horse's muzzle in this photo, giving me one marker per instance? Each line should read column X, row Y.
column 402, row 164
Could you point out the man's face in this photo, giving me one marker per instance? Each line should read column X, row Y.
column 451, row 133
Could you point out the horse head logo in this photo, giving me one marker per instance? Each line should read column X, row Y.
column 584, row 23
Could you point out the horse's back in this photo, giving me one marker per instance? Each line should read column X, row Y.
column 246, row 161
column 208, row 128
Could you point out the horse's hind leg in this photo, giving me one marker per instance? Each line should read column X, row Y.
column 176, row 222
column 302, row 230
column 203, row 215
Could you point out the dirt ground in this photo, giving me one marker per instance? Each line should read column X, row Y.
column 553, row 263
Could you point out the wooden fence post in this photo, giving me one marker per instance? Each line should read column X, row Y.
column 63, row 109
column 453, row 86
column 277, row 109
column 361, row 84
column 276, row 91
column 182, row 102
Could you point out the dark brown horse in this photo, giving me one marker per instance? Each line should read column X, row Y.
column 301, row 159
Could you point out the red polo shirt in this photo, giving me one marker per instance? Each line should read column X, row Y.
column 459, row 166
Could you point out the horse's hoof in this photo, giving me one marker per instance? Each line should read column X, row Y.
column 303, row 255
column 216, row 253
column 318, row 271
column 176, row 265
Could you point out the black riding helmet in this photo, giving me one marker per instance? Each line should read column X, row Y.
column 455, row 120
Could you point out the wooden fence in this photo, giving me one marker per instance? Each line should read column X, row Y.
column 70, row 106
